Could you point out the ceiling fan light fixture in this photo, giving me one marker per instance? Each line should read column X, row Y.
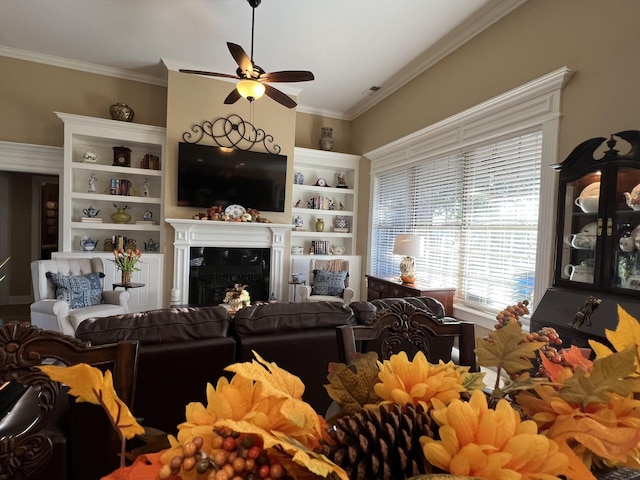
column 250, row 89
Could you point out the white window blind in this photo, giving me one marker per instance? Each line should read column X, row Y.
column 477, row 211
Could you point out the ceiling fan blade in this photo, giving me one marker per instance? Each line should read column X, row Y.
column 209, row 74
column 233, row 97
column 241, row 57
column 278, row 96
column 287, row 76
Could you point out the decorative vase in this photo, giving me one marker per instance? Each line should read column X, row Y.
column 126, row 276
column 340, row 222
column 320, row 225
column 326, row 139
column 121, row 216
column 122, row 112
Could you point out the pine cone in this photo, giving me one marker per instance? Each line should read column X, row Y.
column 382, row 443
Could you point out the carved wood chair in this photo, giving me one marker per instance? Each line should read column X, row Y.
column 403, row 327
column 34, row 423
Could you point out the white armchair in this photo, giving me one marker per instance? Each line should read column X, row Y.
column 66, row 293
column 328, row 281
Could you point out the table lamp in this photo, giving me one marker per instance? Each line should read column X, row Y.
column 408, row 246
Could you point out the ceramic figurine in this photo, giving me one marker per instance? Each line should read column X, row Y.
column 92, row 183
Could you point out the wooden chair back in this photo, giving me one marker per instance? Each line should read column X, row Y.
column 23, row 347
column 403, row 327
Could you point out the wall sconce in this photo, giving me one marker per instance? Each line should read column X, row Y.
column 409, row 247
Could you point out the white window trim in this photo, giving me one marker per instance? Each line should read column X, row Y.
column 535, row 104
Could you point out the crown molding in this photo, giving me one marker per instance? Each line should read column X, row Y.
column 81, row 66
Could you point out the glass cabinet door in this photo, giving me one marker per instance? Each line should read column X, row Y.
column 623, row 229
column 581, row 230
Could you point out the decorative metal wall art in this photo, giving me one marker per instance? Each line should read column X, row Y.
column 231, row 132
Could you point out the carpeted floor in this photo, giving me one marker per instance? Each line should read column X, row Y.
column 18, row 313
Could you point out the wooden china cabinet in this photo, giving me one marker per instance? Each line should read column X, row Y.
column 597, row 251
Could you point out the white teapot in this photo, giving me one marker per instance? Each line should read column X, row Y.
column 633, row 199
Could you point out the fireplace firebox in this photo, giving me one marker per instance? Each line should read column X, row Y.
column 213, row 270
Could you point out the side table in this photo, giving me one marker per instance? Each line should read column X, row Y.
column 378, row 287
column 295, row 287
column 127, row 286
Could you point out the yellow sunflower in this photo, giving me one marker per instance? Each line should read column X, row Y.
column 419, row 382
column 493, row 444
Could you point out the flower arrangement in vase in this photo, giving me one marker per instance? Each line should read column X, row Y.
column 126, row 261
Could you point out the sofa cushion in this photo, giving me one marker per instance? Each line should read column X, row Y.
column 329, row 283
column 160, row 326
column 78, row 291
column 287, row 317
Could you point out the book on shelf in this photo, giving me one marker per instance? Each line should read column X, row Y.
column 119, row 186
column 341, row 230
column 145, row 222
column 299, row 229
column 91, row 219
column 320, row 247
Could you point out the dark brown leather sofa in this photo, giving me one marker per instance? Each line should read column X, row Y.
column 299, row 337
column 181, row 349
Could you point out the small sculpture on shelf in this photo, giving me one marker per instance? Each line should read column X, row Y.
column 342, row 180
column 90, row 156
column 146, row 187
column 298, row 178
column 92, row 183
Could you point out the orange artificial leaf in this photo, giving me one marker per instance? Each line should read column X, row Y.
column 88, row 384
column 507, row 349
column 553, row 370
column 577, row 357
column 275, row 380
column 612, row 374
column 351, row 386
column 611, row 443
column 626, row 333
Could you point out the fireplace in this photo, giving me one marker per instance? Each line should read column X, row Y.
column 213, row 270
column 247, row 238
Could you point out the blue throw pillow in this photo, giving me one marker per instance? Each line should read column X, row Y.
column 328, row 283
column 78, row 290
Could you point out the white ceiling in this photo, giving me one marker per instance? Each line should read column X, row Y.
column 349, row 45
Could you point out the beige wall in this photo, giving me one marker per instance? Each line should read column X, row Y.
column 598, row 40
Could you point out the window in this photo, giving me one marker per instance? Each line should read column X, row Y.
column 473, row 186
column 477, row 213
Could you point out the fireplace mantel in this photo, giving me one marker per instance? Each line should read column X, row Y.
column 209, row 233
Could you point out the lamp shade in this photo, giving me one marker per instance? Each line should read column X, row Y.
column 250, row 89
column 407, row 245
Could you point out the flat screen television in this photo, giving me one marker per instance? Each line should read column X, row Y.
column 213, row 176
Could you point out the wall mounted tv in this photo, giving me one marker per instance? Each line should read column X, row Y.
column 209, row 176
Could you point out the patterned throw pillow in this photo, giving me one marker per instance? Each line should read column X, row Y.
column 328, row 283
column 78, row 290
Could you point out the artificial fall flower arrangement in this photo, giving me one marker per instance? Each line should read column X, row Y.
column 402, row 417
column 237, row 296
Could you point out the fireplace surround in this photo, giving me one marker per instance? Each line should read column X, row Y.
column 238, row 235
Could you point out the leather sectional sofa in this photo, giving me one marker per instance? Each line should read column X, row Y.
column 184, row 348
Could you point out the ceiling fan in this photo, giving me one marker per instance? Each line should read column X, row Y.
column 253, row 79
